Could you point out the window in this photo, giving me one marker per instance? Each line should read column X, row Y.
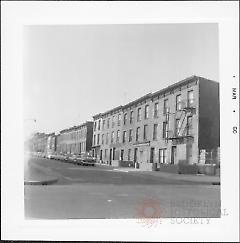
column 145, row 131
column 177, row 127
column 94, row 139
column 162, row 156
column 129, row 154
column 155, row 114
column 118, row 135
column 137, row 133
column 125, row 119
column 130, row 135
column 103, row 125
column 131, row 117
column 112, row 137
column 190, row 98
column 95, row 125
column 178, row 102
column 165, row 131
column 107, row 138
column 108, row 122
column 119, row 119
column 102, row 138
column 139, row 114
column 189, row 125
column 99, row 124
column 146, row 113
column 155, row 126
column 165, row 106
column 124, row 136
column 113, row 121
column 98, row 138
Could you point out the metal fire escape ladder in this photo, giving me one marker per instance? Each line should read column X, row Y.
column 183, row 113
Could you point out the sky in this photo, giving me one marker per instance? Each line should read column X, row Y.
column 72, row 72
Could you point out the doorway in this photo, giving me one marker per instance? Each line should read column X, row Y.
column 113, row 156
column 152, row 155
column 121, row 155
column 173, row 154
column 110, row 157
column 135, row 155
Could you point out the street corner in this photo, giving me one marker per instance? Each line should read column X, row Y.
column 149, row 212
column 37, row 177
column 41, row 182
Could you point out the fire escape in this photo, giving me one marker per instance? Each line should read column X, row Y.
column 183, row 129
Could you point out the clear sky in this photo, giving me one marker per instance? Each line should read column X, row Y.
column 74, row 72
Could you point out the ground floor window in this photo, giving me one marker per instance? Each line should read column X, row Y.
column 162, row 156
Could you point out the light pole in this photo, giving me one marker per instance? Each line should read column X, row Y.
column 30, row 119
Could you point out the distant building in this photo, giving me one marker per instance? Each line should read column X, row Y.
column 173, row 124
column 75, row 140
column 38, row 143
column 51, row 143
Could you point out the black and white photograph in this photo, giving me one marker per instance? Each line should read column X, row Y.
column 135, row 128
column 123, row 122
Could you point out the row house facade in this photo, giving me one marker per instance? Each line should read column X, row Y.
column 76, row 139
column 167, row 126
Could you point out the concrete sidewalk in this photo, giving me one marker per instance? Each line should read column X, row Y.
column 205, row 179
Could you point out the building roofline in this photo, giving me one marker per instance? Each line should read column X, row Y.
column 75, row 127
column 106, row 112
column 150, row 95
column 175, row 85
column 147, row 96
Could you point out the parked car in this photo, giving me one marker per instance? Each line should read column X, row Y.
column 87, row 159
column 61, row 156
column 77, row 159
column 54, row 156
column 67, row 157
column 50, row 155
column 72, row 158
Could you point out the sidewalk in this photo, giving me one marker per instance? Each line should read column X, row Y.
column 206, row 179
column 37, row 175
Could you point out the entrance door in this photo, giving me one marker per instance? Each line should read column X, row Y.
column 173, row 154
column 152, row 155
column 135, row 155
column 101, row 155
column 113, row 156
column 121, row 155
column 110, row 157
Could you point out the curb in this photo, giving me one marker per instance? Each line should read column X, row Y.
column 45, row 182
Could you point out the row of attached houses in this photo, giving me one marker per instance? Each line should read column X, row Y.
column 178, row 123
column 73, row 140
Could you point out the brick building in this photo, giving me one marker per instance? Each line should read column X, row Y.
column 173, row 124
column 76, row 139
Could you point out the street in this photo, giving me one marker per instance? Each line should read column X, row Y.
column 104, row 192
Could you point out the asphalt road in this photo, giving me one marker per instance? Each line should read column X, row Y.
column 101, row 192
